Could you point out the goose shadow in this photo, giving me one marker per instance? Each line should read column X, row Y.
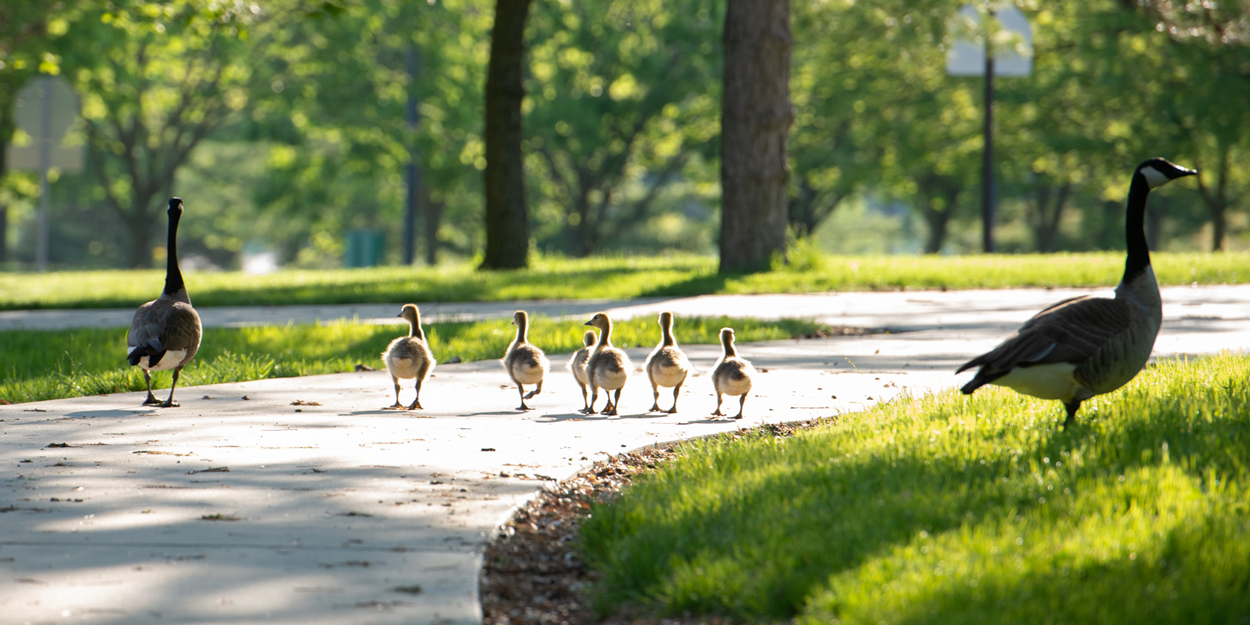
column 571, row 416
column 116, row 413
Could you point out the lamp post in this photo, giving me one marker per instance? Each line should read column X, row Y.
column 987, row 57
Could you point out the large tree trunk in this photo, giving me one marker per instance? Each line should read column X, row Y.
column 1217, row 199
column 507, row 218
column 433, row 221
column 755, row 121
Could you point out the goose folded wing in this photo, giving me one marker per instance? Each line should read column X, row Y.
column 1068, row 332
column 182, row 329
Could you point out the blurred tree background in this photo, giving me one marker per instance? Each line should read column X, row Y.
column 282, row 124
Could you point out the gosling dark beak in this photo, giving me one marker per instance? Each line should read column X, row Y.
column 586, row 324
column 400, row 315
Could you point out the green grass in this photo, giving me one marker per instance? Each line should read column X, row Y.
column 945, row 509
column 609, row 278
column 41, row 365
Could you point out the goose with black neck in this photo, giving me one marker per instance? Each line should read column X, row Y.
column 165, row 332
column 1087, row 346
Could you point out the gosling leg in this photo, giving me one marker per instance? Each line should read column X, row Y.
column 718, row 413
column 655, row 391
column 741, row 402
column 538, row 389
column 416, row 401
column 396, row 405
column 585, row 400
column 676, row 391
column 611, row 409
column 521, row 390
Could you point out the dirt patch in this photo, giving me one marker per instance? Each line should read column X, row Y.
column 532, row 573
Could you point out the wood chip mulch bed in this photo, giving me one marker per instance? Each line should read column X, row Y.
column 532, row 573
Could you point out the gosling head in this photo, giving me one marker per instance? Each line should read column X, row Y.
column 727, row 336
column 666, row 319
column 519, row 318
column 600, row 320
column 1158, row 172
column 409, row 312
column 589, row 338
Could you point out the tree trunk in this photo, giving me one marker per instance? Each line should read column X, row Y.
column 433, row 220
column 507, row 218
column 755, row 121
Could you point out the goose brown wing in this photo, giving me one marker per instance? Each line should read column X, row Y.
column 163, row 325
column 1071, row 331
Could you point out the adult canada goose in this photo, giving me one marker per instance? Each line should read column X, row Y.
column 577, row 364
column 731, row 375
column 525, row 363
column 165, row 333
column 1087, row 346
column 607, row 368
column 409, row 357
column 666, row 365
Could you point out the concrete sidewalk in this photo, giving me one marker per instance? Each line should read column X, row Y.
column 298, row 500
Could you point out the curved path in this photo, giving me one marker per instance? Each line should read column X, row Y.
column 298, row 500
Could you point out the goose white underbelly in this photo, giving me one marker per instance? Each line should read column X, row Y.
column 1052, row 381
column 170, row 360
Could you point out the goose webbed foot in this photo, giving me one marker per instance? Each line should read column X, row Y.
column 655, row 407
column 415, row 405
column 169, row 403
column 151, row 400
column 523, row 407
column 672, row 410
column 537, row 389
column 394, row 406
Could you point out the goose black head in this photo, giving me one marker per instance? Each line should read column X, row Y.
column 1158, row 172
column 175, row 206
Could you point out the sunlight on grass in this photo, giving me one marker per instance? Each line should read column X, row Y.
column 950, row 509
column 609, row 278
column 50, row 365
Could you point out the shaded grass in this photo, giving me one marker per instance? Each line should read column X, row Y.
column 945, row 509
column 610, row 278
column 39, row 365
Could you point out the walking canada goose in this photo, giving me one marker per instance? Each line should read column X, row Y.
column 165, row 333
column 1087, row 346
column 731, row 375
column 525, row 363
column 409, row 357
column 667, row 365
column 577, row 364
column 607, row 368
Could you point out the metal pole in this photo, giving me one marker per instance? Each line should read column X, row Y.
column 987, row 160
column 413, row 171
column 45, row 162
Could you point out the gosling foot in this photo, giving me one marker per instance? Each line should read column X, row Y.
column 168, row 403
column 415, row 405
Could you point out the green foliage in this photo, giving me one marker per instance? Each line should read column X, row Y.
column 49, row 365
column 611, row 278
column 951, row 509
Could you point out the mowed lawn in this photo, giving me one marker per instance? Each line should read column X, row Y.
column 38, row 365
column 946, row 509
column 609, row 278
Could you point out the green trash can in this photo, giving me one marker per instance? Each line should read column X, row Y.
column 364, row 248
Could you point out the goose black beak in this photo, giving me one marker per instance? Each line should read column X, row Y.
column 586, row 324
column 400, row 315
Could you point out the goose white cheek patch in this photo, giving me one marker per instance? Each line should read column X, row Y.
column 1153, row 177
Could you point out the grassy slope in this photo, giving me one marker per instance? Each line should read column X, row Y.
column 40, row 365
column 951, row 510
column 609, row 278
